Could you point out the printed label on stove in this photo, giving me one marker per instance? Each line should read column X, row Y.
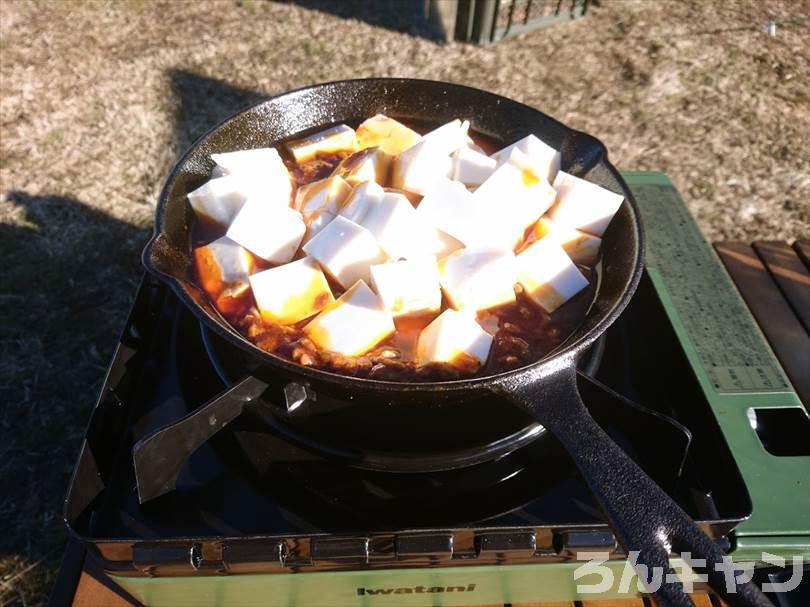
column 414, row 590
column 723, row 335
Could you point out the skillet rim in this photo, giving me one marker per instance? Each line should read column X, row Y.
column 565, row 352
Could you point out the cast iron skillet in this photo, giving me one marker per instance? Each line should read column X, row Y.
column 643, row 517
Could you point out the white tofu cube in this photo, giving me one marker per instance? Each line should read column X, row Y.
column 370, row 164
column 439, row 244
column 397, row 227
column 409, row 287
column 449, row 207
column 353, row 324
column 253, row 162
column 267, row 231
column 547, row 274
column 419, row 167
column 263, row 166
column 541, row 155
column 449, row 137
column 508, row 202
column 323, row 195
column 582, row 248
column 290, row 293
column 583, row 205
column 363, row 197
column 345, row 251
column 340, row 138
column 223, row 268
column 454, row 338
column 219, row 200
column 478, row 279
column 390, row 136
column 472, row 168
column 315, row 223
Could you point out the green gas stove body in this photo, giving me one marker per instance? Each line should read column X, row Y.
column 757, row 503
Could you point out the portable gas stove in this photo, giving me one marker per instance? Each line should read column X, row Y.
column 695, row 396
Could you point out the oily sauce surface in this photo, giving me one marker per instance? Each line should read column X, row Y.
column 523, row 332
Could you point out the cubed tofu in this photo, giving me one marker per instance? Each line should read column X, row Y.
column 472, row 168
column 345, row 251
column 547, row 274
column 409, row 287
column 219, row 200
column 456, row 339
column 449, row 207
column 340, row 138
column 390, row 136
column 322, row 195
column 399, row 230
column 267, row 231
column 419, row 167
column 363, row 197
column 315, row 223
column 542, row 155
column 509, row 201
column 449, row 137
column 290, row 293
column 263, row 166
column 223, row 268
column 370, row 164
column 583, row 205
column 353, row 324
column 582, row 248
column 476, row 279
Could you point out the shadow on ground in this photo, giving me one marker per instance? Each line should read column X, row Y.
column 70, row 272
column 202, row 103
column 409, row 16
column 68, row 277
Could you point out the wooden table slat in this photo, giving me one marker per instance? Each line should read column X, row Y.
column 789, row 340
column 802, row 248
column 790, row 274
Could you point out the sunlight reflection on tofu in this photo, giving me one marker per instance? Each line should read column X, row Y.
column 323, row 195
column 540, row 154
column 269, row 232
column 399, row 230
column 371, row 164
column 292, row 292
column 345, row 251
column 391, row 136
column 409, row 287
column 363, row 196
column 419, row 167
column 583, row 205
column 448, row 206
column 547, row 274
column 512, row 199
column 223, row 269
column 340, row 138
column 353, row 324
column 219, row 200
column 582, row 248
column 478, row 279
column 454, row 338
column 471, row 168
column 449, row 137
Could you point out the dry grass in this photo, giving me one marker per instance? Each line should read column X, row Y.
column 98, row 99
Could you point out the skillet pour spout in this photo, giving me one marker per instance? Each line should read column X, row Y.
column 644, row 517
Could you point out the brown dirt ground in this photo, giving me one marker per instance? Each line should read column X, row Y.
column 98, row 99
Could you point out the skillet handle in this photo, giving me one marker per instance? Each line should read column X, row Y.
column 643, row 517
